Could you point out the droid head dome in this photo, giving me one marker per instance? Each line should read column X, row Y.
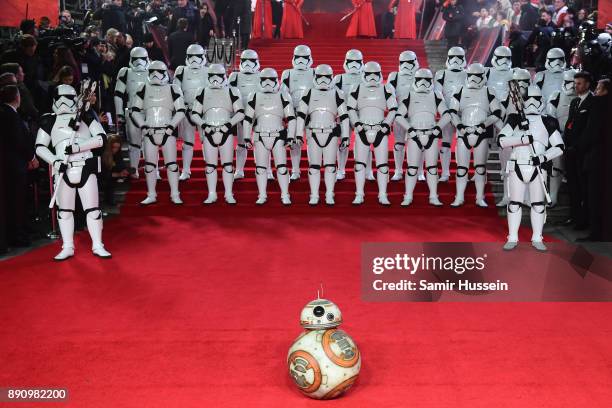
column 139, row 59
column 476, row 76
column 353, row 62
column 302, row 57
column 372, row 74
column 408, row 62
column 216, row 76
column 423, row 81
column 249, row 61
column 555, row 60
column 320, row 314
column 534, row 104
column 64, row 100
column 195, row 56
column 502, row 58
column 455, row 60
column 324, row 76
column 268, row 80
column 158, row 73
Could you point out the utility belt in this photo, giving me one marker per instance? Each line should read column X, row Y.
column 329, row 132
column 89, row 166
column 273, row 133
column 159, row 130
column 523, row 161
column 363, row 134
column 210, row 130
column 478, row 130
column 431, row 134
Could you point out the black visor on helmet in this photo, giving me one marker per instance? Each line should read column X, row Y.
column 159, row 71
column 428, row 80
column 556, row 59
column 253, row 60
column 324, row 76
column 134, row 59
column 357, row 61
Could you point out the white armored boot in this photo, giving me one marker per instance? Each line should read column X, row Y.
column 66, row 226
column 94, row 226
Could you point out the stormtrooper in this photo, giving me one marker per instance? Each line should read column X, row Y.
column 535, row 142
column 157, row 110
column 265, row 112
column 473, row 108
column 401, row 81
column 448, row 81
column 246, row 81
column 346, row 82
column 322, row 112
column 523, row 79
column 558, row 108
column 67, row 146
column 297, row 81
column 216, row 111
column 190, row 78
column 372, row 109
column 417, row 114
column 551, row 79
column 500, row 73
column 128, row 82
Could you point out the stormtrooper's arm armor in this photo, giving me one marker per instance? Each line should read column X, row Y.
column 538, row 79
column 454, row 107
column 495, row 109
column 121, row 92
column 197, row 109
column 392, row 80
column 179, row 106
column 137, row 114
column 511, row 134
column 402, row 113
column 43, row 138
column 98, row 135
column 249, row 116
column 285, row 83
column 237, row 106
column 178, row 76
column 302, row 113
column 351, row 106
column 391, row 105
column 338, row 81
column 289, row 115
column 439, row 80
column 553, row 104
column 233, row 79
column 445, row 116
column 555, row 141
column 345, row 127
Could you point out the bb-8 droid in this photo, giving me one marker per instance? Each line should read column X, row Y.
column 324, row 361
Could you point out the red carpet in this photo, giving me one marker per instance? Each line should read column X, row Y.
column 199, row 306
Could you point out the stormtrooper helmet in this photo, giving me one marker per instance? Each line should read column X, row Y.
column 522, row 78
column 158, row 73
column 320, row 314
column 408, row 63
column 555, row 60
column 502, row 58
column 353, row 62
column 569, row 87
column 302, row 57
column 324, row 76
column 268, row 80
column 216, row 76
column 534, row 105
column 139, row 59
column 605, row 41
column 64, row 100
column 372, row 74
column 455, row 60
column 476, row 76
column 423, row 81
column 195, row 56
column 249, row 62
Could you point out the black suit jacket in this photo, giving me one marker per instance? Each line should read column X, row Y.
column 178, row 42
column 17, row 141
column 577, row 120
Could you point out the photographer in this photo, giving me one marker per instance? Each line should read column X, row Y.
column 157, row 10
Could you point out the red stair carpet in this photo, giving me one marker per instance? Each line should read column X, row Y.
column 199, row 306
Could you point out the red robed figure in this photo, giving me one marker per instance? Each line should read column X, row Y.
column 405, row 22
column 262, row 19
column 362, row 21
column 291, row 27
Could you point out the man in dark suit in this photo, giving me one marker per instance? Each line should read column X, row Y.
column 577, row 121
column 188, row 12
column 453, row 14
column 18, row 154
column 242, row 11
column 178, row 42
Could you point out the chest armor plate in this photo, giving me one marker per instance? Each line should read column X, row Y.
column 247, row 84
column 192, row 80
column 452, row 82
column 322, row 108
column 299, row 82
column 540, row 139
column 269, row 112
column 61, row 134
column 134, row 80
column 422, row 110
column 158, row 105
column 498, row 82
column 217, row 106
column 349, row 82
column 474, row 106
column 404, row 85
column 553, row 81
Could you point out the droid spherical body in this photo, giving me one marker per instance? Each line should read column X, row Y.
column 324, row 361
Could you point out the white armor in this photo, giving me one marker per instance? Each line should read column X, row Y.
column 417, row 114
column 551, row 79
column 265, row 112
column 372, row 109
column 523, row 79
column 73, row 161
column 129, row 81
column 558, row 108
column 190, row 77
column 534, row 144
column 319, row 112
column 448, row 81
column 157, row 110
column 247, row 82
column 297, row 81
column 401, row 81
column 473, row 108
column 346, row 82
column 500, row 73
column 216, row 111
